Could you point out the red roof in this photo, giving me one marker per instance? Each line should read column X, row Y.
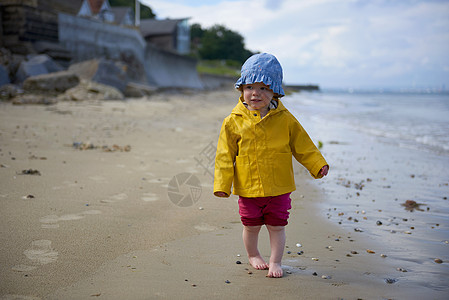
column 95, row 5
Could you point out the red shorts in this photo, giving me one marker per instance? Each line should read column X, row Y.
column 265, row 210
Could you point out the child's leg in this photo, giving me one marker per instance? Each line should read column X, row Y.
column 250, row 240
column 277, row 243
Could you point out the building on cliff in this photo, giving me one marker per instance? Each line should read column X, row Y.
column 168, row 34
column 77, row 30
column 25, row 22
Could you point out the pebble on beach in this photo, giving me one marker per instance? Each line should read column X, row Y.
column 390, row 280
column 411, row 205
column 30, row 172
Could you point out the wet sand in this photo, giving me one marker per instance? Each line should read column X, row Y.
column 372, row 180
column 99, row 222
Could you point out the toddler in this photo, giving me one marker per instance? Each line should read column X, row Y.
column 254, row 155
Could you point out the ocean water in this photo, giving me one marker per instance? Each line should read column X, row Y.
column 419, row 121
column 384, row 149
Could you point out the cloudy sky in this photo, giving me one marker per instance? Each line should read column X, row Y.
column 336, row 43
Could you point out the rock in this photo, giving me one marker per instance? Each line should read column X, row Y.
column 4, row 76
column 9, row 91
column 390, row 280
column 53, row 83
column 30, row 172
column 11, row 62
column 102, row 71
column 136, row 90
column 89, row 90
column 37, row 65
column 109, row 74
column 33, row 99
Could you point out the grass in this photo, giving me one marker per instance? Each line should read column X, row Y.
column 219, row 67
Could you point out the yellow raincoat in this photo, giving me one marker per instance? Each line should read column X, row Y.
column 255, row 155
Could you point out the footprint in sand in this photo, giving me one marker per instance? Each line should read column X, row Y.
column 97, row 178
column 66, row 184
column 51, row 221
column 205, row 227
column 115, row 198
column 40, row 253
column 149, row 197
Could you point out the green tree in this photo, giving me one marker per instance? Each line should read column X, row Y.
column 196, row 34
column 219, row 43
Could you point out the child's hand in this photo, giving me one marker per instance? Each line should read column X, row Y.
column 221, row 194
column 324, row 170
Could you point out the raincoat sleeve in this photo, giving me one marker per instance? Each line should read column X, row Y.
column 304, row 150
column 224, row 159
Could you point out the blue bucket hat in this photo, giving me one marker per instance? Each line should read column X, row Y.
column 264, row 68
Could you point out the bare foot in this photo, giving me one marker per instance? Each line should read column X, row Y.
column 275, row 271
column 258, row 263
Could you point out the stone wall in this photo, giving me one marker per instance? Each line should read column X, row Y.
column 24, row 23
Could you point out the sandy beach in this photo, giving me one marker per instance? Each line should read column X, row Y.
column 90, row 210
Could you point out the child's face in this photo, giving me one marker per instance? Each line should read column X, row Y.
column 257, row 96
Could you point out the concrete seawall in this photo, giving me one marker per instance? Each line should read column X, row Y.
column 87, row 39
column 166, row 69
